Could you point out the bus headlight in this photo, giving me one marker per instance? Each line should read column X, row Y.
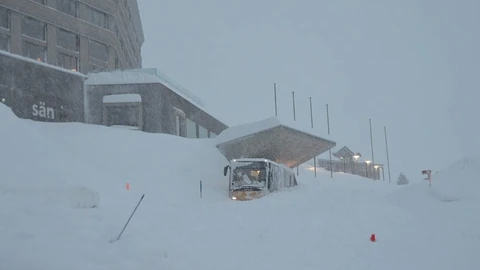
column 234, row 198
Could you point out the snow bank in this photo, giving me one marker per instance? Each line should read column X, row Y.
column 321, row 224
column 246, row 129
column 28, row 158
column 458, row 182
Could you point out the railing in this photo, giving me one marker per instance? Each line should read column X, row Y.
column 356, row 168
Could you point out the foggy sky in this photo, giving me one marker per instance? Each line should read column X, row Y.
column 410, row 65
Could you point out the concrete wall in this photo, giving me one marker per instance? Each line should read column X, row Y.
column 158, row 104
column 29, row 88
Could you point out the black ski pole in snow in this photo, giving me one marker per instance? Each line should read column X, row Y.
column 124, row 227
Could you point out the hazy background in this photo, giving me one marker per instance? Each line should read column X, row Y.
column 410, row 65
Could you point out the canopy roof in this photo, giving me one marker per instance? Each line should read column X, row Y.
column 273, row 140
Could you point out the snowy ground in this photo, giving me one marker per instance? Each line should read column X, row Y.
column 63, row 197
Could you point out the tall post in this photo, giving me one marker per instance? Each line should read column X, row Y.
column 311, row 121
column 330, row 150
column 371, row 144
column 311, row 112
column 275, row 97
column 388, row 159
column 293, row 100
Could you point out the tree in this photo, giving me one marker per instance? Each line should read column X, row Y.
column 402, row 180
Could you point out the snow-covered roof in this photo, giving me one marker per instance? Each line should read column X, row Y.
column 273, row 139
column 120, row 77
column 121, row 98
column 239, row 131
column 26, row 59
column 142, row 76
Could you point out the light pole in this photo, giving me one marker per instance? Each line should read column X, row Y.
column 356, row 157
column 376, row 171
column 366, row 167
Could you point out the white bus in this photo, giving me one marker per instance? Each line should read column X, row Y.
column 252, row 178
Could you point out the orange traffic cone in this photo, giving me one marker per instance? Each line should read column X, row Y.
column 373, row 238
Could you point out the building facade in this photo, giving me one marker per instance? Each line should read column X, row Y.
column 53, row 51
column 142, row 99
column 39, row 91
column 79, row 35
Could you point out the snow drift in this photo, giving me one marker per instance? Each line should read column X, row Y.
column 322, row 223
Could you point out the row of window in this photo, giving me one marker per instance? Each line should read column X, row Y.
column 89, row 14
column 201, row 132
column 186, row 127
column 34, row 43
column 36, row 29
column 39, row 52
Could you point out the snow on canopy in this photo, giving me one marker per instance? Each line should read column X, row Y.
column 274, row 139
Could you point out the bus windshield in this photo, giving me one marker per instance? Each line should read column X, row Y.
column 249, row 175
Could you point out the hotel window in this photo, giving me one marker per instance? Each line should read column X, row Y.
column 191, row 129
column 4, row 18
column 34, row 51
column 96, row 68
column 67, row 40
column 211, row 134
column 34, row 28
column 4, row 43
column 180, row 124
column 96, row 17
column 202, row 132
column 98, row 51
column 69, row 7
column 67, row 61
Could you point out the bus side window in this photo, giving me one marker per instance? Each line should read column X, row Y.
column 270, row 177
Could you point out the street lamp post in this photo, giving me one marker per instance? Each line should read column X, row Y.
column 366, row 167
column 356, row 157
column 376, row 171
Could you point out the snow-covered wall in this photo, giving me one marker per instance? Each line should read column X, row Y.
column 39, row 91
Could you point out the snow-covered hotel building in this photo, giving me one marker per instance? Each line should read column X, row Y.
column 50, row 48
column 80, row 35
